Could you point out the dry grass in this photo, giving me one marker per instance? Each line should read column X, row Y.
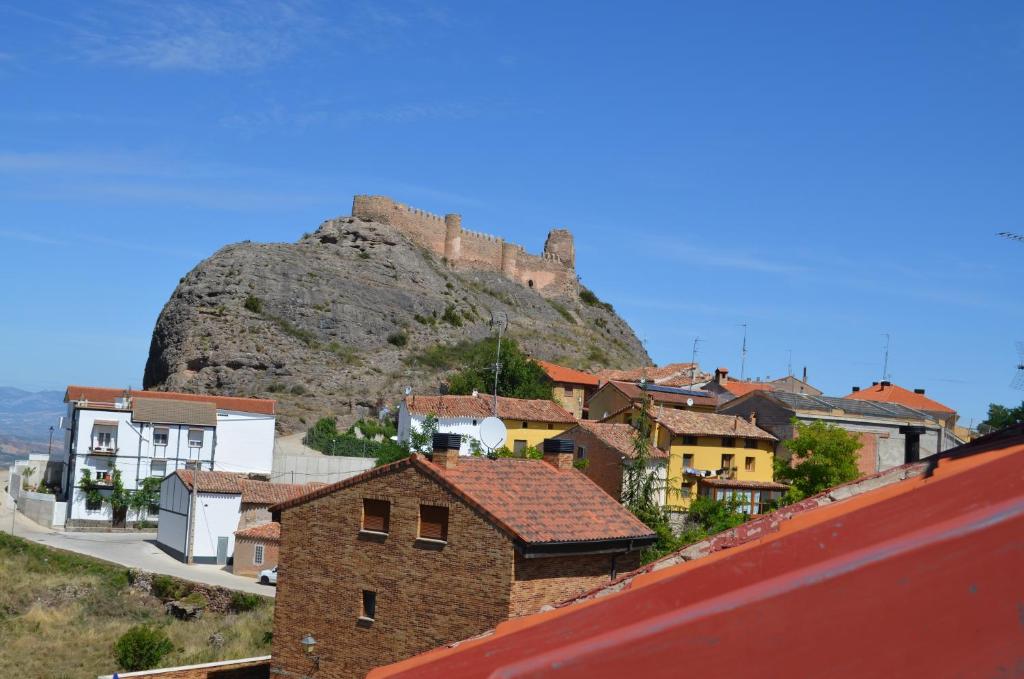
column 61, row 613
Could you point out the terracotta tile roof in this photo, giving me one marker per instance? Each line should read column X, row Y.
column 261, row 406
column 690, row 423
column 559, row 373
column 267, row 532
column 920, row 535
column 635, row 393
column 267, row 493
column 168, row 411
column 893, row 393
column 652, row 373
column 740, row 388
column 529, row 499
column 744, row 485
column 538, row 410
column 228, row 483
column 617, row 435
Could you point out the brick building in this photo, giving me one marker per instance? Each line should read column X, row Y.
column 606, row 447
column 256, row 548
column 423, row 552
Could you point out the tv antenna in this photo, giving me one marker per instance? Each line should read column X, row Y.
column 743, row 353
column 1018, row 379
column 500, row 321
column 789, row 364
column 885, row 360
column 693, row 360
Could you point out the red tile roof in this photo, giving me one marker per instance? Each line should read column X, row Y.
column 653, row 373
column 635, row 393
column 893, row 393
column 228, row 483
column 617, row 435
column 745, row 485
column 937, row 544
column 559, row 373
column 261, row 406
column 267, row 532
column 267, row 493
column 537, row 410
column 690, row 423
column 530, row 500
column 742, row 388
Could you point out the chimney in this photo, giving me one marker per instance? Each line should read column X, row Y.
column 475, row 393
column 886, row 383
column 753, row 417
column 558, row 452
column 721, row 375
column 446, row 450
column 919, row 391
column 805, row 374
column 856, row 389
column 874, row 384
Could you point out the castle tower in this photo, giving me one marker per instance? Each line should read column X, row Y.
column 560, row 244
column 452, row 237
column 373, row 208
column 509, row 259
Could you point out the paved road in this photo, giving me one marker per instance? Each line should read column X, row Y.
column 135, row 550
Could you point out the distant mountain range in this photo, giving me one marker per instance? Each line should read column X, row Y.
column 25, row 421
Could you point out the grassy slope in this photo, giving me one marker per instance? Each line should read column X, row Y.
column 61, row 613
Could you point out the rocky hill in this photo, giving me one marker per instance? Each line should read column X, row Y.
column 341, row 321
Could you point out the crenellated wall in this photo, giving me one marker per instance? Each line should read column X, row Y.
column 551, row 273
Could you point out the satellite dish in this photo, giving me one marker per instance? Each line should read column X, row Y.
column 689, row 402
column 493, row 433
column 408, row 391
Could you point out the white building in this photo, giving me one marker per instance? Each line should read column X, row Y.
column 145, row 434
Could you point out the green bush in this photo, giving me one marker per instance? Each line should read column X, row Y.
column 244, row 601
column 563, row 311
column 254, row 304
column 345, row 353
column 167, row 588
column 141, row 648
column 298, row 390
column 451, row 316
column 590, row 299
column 399, row 339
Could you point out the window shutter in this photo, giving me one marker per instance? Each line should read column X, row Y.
column 376, row 515
column 433, row 522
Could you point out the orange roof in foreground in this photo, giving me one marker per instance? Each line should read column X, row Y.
column 261, row 406
column 529, row 499
column 893, row 393
column 559, row 373
column 912, row 572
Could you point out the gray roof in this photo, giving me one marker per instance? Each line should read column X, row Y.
column 168, row 411
column 849, row 406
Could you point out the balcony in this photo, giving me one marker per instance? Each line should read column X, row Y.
column 729, row 473
column 108, row 451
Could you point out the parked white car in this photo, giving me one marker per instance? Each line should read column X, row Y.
column 269, row 576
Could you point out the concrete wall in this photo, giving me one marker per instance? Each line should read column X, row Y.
column 42, row 508
column 245, row 442
column 320, row 468
column 216, row 516
column 172, row 531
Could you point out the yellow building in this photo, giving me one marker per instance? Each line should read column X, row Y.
column 528, row 421
column 571, row 388
column 720, row 456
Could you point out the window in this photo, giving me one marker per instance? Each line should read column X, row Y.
column 376, row 515
column 93, row 505
column 104, row 437
column 474, row 423
column 581, row 453
column 159, row 437
column 526, row 425
column 158, row 469
column 257, row 555
column 689, row 440
column 751, row 443
column 728, row 442
column 433, row 523
column 191, row 464
column 750, row 463
column 369, row 610
column 686, row 492
column 518, row 446
column 550, row 426
column 688, row 460
column 195, row 438
column 727, row 461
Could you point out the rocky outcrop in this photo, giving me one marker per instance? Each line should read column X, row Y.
column 341, row 321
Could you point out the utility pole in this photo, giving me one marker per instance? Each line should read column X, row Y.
column 502, row 326
column 49, row 447
column 743, row 353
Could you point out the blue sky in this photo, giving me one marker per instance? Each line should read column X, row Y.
column 824, row 172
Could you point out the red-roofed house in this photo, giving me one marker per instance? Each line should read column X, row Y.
column 418, row 553
column 572, row 388
column 887, row 392
column 606, row 447
column 614, row 397
column 727, row 388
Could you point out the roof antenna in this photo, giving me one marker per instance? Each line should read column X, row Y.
column 789, row 366
column 885, row 361
column 743, row 354
column 693, row 361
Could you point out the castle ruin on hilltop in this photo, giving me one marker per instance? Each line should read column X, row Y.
column 551, row 273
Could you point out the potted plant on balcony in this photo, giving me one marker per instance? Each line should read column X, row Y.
column 93, row 496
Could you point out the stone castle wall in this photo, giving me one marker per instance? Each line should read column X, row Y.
column 552, row 273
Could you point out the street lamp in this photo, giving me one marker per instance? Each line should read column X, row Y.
column 308, row 645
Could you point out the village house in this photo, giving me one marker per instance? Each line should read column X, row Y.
column 605, row 448
column 571, row 388
column 423, row 552
column 891, row 434
column 726, row 388
column 887, row 392
column 723, row 457
column 200, row 527
column 669, row 375
column 614, row 396
column 256, row 549
column 150, row 434
column 527, row 421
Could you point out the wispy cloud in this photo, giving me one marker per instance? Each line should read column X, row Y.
column 725, row 256
column 29, row 237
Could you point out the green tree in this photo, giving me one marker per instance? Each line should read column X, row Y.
column 641, row 487
column 146, row 496
column 322, row 434
column 520, row 376
column 1002, row 416
column 825, row 455
column 142, row 648
column 422, row 440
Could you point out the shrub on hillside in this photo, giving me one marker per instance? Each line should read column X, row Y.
column 165, row 587
column 142, row 648
column 244, row 601
column 254, row 304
